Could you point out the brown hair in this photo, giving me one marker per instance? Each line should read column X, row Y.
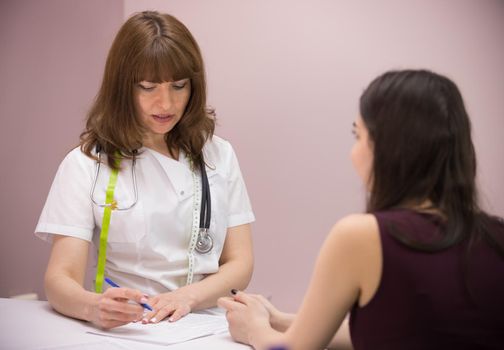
column 153, row 47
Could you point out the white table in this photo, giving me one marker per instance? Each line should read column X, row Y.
column 26, row 324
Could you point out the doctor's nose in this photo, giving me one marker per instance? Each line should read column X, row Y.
column 165, row 98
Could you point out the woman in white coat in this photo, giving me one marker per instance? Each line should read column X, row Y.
column 148, row 134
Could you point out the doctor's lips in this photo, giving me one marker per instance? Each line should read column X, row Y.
column 163, row 117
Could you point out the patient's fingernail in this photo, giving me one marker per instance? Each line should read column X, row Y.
column 144, row 300
column 234, row 291
column 153, row 320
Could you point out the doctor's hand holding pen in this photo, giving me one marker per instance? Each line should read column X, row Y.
column 113, row 307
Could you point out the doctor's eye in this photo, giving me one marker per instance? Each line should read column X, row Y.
column 180, row 84
column 146, row 86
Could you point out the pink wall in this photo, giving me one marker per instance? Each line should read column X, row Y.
column 285, row 77
column 52, row 55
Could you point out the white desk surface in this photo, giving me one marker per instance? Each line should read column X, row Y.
column 26, row 324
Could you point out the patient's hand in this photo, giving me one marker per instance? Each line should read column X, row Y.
column 279, row 320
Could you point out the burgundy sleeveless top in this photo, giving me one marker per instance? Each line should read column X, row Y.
column 422, row 300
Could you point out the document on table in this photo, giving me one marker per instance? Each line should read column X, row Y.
column 191, row 326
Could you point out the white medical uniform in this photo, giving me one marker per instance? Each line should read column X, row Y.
column 147, row 245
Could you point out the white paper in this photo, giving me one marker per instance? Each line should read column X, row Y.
column 165, row 333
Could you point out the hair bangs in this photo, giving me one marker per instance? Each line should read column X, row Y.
column 163, row 61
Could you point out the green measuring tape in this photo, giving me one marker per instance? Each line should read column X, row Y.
column 111, row 204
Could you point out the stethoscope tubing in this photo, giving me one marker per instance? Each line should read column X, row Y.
column 206, row 202
column 97, row 172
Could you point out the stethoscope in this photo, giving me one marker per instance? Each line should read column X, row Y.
column 204, row 242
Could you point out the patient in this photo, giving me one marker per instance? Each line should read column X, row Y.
column 424, row 267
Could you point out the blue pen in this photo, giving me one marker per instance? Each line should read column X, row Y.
column 115, row 285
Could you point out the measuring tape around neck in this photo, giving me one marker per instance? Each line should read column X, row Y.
column 110, row 204
column 195, row 222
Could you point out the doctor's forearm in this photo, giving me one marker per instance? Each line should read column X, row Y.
column 69, row 298
column 233, row 274
column 235, row 270
column 64, row 278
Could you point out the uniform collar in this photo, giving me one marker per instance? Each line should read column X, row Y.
column 177, row 171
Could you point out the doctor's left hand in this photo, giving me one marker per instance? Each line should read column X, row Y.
column 174, row 305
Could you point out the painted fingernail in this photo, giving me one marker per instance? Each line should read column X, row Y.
column 153, row 320
column 144, row 300
column 234, row 291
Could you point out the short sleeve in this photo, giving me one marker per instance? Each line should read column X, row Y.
column 68, row 209
column 240, row 210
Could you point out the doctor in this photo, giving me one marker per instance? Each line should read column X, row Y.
column 160, row 197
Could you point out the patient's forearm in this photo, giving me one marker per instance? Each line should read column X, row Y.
column 341, row 340
column 282, row 321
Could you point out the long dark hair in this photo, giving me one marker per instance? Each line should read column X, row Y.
column 154, row 47
column 423, row 151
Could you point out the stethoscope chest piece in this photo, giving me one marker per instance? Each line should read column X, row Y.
column 204, row 244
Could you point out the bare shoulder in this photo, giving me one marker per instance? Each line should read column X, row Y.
column 356, row 224
column 355, row 239
column 355, row 231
